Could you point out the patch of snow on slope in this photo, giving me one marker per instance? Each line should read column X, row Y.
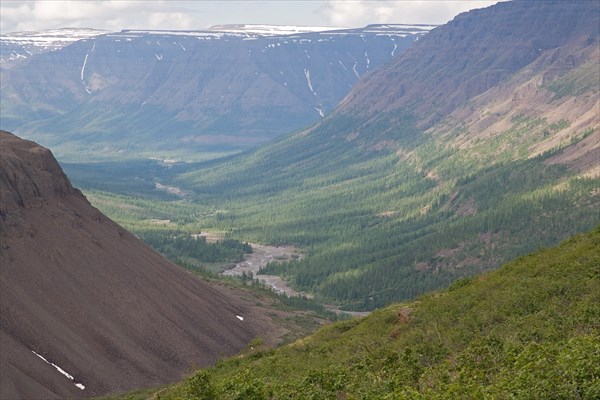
column 44, row 41
column 307, row 75
column 83, row 67
column 270, row 30
column 62, row 371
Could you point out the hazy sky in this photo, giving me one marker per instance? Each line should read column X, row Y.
column 165, row 14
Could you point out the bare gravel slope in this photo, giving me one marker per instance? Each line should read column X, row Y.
column 89, row 297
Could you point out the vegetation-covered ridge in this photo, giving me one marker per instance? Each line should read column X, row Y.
column 528, row 330
column 383, row 226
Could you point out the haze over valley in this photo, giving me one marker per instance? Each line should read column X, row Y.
column 183, row 94
column 265, row 180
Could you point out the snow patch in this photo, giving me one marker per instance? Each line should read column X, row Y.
column 307, row 75
column 394, row 49
column 321, row 113
column 355, row 71
column 62, row 371
column 83, row 67
column 239, row 317
column 270, row 30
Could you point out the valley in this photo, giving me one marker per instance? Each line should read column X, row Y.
column 443, row 182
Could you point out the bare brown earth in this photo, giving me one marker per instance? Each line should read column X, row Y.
column 526, row 94
column 89, row 297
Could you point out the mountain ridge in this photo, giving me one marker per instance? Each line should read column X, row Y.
column 485, row 64
column 189, row 91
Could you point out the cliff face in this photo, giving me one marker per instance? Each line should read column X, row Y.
column 89, row 297
column 30, row 175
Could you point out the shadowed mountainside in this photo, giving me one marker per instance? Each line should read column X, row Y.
column 223, row 90
column 91, row 298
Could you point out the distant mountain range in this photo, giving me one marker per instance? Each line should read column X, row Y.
column 224, row 89
column 17, row 47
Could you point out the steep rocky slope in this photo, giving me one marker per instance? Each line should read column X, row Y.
column 80, row 292
column 473, row 53
column 512, row 81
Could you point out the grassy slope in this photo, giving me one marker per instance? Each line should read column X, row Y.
column 529, row 330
